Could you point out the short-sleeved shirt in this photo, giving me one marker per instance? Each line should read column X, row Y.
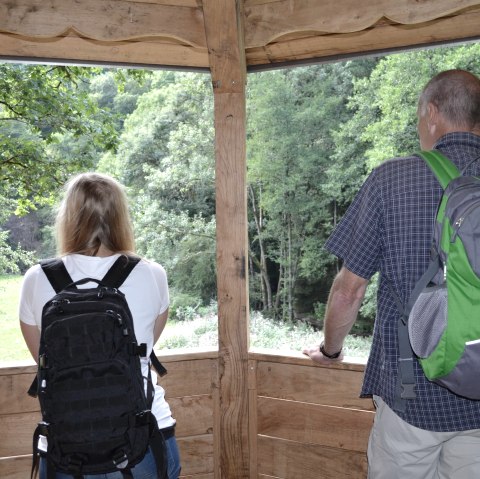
column 388, row 228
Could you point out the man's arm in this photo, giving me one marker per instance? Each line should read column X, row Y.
column 344, row 301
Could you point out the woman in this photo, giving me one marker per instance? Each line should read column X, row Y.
column 93, row 229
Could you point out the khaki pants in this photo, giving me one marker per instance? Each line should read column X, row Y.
column 397, row 450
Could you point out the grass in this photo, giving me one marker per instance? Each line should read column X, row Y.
column 199, row 332
column 12, row 345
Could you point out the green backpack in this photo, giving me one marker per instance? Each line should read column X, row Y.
column 442, row 318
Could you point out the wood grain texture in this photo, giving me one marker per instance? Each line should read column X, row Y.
column 252, row 417
column 224, row 34
column 14, row 397
column 103, row 19
column 196, row 454
column 17, row 432
column 265, row 22
column 73, row 48
column 173, row 33
column 189, row 378
column 328, row 387
column 232, row 285
column 194, row 415
column 291, row 460
column 308, row 423
column 15, row 467
column 381, row 37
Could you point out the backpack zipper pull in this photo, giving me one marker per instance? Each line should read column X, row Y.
column 117, row 316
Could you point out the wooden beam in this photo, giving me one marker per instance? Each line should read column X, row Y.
column 383, row 36
column 267, row 21
column 102, row 20
column 72, row 48
column 224, row 34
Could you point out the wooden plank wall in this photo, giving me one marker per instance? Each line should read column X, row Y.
column 305, row 421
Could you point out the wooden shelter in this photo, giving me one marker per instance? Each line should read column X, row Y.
column 240, row 413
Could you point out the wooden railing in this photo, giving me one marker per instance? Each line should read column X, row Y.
column 305, row 421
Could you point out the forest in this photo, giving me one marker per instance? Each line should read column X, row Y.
column 313, row 135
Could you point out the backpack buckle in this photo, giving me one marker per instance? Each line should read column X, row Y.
column 120, row 460
column 42, row 361
column 408, row 391
column 42, row 428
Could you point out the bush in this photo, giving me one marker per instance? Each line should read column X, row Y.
column 183, row 306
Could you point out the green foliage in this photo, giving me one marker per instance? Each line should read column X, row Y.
column 183, row 306
column 314, row 133
column 13, row 260
column 38, row 105
column 202, row 331
column 388, row 98
column 319, row 312
column 295, row 183
column 166, row 158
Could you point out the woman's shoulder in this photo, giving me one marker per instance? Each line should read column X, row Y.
column 152, row 267
column 32, row 273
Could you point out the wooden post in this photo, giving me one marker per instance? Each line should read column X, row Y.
column 224, row 33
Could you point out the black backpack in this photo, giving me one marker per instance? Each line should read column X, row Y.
column 95, row 413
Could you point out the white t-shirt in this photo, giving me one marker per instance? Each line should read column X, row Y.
column 146, row 292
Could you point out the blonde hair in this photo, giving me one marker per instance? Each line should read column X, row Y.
column 94, row 213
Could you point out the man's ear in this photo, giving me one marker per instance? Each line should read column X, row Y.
column 432, row 118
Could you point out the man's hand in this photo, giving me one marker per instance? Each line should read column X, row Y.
column 315, row 354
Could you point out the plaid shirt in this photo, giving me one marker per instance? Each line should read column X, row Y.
column 388, row 228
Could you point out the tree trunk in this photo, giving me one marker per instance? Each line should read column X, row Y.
column 265, row 279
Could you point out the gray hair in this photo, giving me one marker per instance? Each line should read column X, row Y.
column 456, row 94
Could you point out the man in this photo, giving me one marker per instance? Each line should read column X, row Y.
column 388, row 228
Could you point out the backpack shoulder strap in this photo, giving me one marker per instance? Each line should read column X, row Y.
column 56, row 273
column 119, row 271
column 114, row 278
column 443, row 168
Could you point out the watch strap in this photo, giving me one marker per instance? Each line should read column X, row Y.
column 327, row 355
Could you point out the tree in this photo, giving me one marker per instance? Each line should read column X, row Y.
column 293, row 118
column 38, row 105
column 166, row 158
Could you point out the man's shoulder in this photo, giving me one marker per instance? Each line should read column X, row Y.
column 400, row 163
column 399, row 168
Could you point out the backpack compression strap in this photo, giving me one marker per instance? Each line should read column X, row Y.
column 443, row 168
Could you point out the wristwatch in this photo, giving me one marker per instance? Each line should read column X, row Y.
column 329, row 356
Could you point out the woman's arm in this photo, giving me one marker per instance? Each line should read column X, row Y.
column 160, row 323
column 31, row 334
